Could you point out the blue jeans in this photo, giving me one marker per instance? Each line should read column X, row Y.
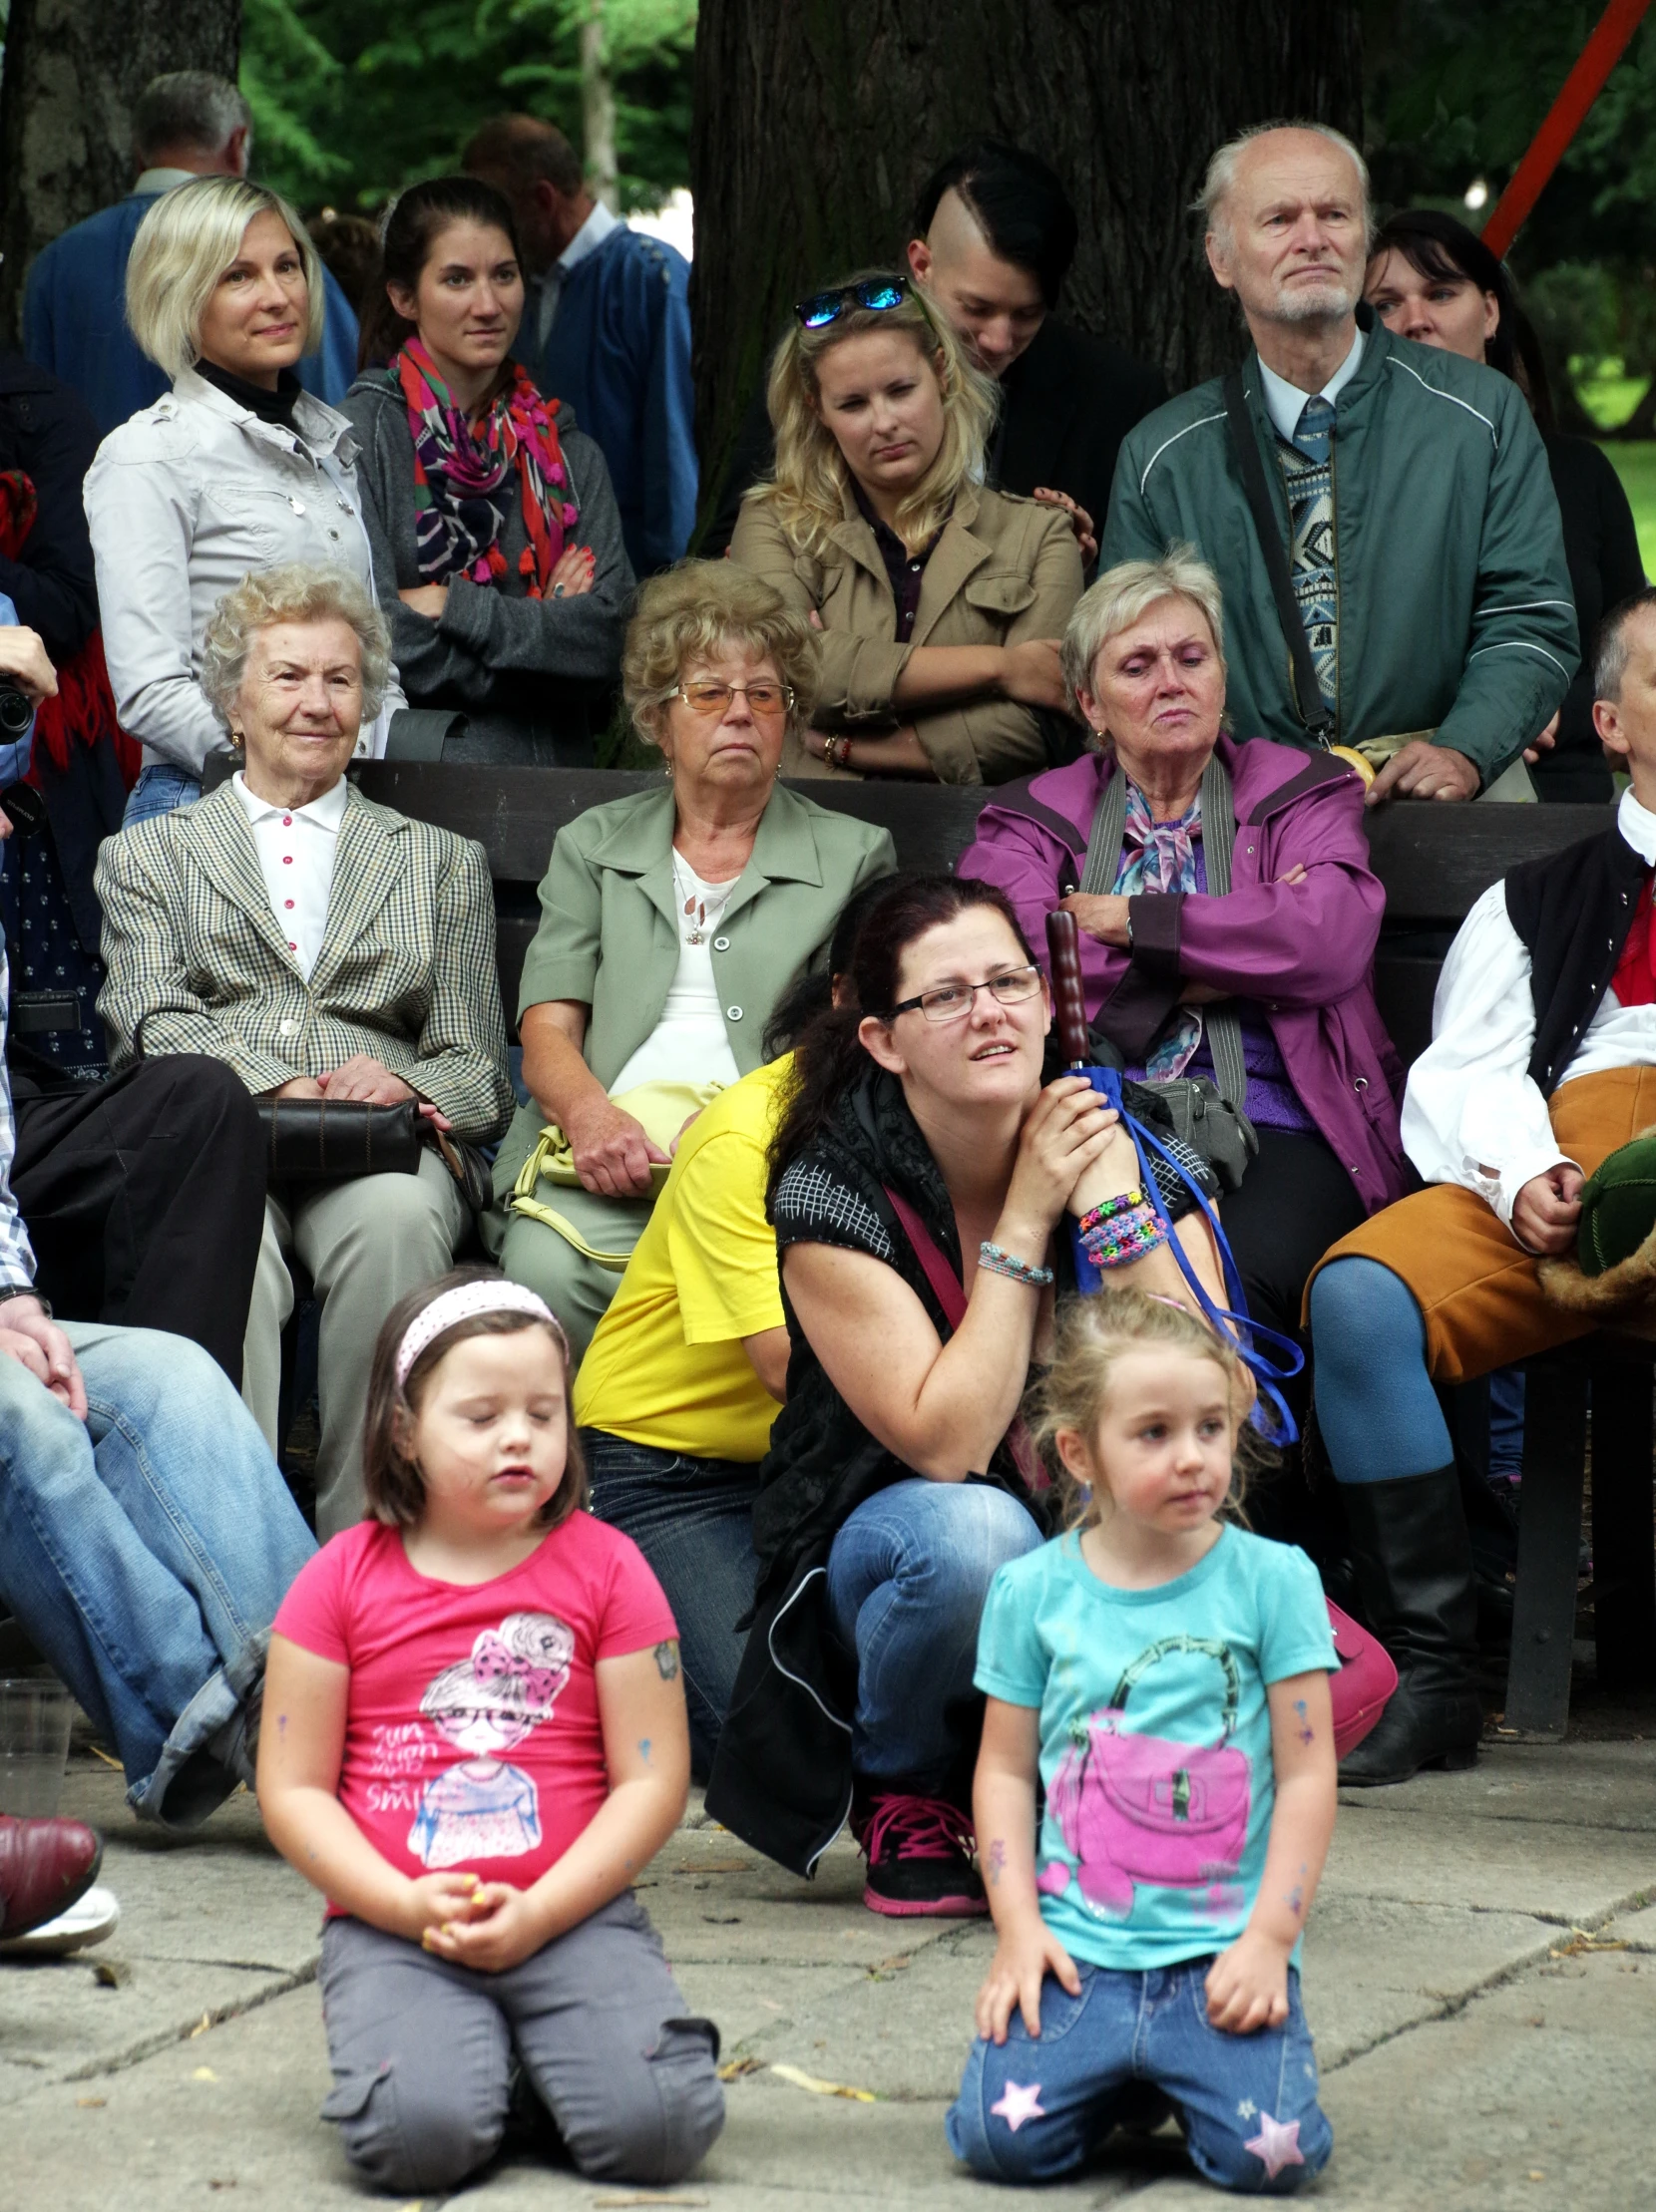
column 1061, row 2096
column 145, row 1549
column 907, row 1578
column 693, row 1521
column 157, row 790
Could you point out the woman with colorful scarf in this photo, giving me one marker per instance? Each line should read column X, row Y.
column 1237, row 949
column 497, row 541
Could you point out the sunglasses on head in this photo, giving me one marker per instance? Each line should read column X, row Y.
column 876, row 293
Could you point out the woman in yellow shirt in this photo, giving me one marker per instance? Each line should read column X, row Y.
column 684, row 1373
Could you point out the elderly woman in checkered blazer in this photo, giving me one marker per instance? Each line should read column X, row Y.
column 325, row 948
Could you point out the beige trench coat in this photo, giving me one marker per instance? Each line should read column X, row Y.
column 1004, row 570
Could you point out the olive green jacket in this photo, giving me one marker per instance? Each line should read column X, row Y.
column 608, row 935
column 1004, row 570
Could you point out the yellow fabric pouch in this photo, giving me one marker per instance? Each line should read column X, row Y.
column 659, row 1109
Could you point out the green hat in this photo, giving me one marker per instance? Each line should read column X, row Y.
column 1618, row 1207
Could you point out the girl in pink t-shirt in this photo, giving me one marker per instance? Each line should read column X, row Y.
column 473, row 1740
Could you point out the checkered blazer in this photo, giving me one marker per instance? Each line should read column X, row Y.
column 198, row 963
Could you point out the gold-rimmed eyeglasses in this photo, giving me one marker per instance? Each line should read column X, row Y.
column 709, row 698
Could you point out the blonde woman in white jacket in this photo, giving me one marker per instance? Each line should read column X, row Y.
column 237, row 467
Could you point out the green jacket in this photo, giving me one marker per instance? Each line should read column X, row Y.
column 1456, row 614
column 608, row 935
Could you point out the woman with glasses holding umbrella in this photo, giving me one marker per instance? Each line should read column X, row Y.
column 673, row 922
column 941, row 603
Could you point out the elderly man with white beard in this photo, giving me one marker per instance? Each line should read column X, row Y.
column 1388, row 502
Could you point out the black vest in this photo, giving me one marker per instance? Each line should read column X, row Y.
column 1572, row 911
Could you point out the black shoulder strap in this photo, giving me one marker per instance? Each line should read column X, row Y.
column 1018, row 798
column 1318, row 721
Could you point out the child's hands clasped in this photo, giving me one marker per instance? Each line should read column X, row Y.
column 436, row 1898
column 1247, row 1985
column 500, row 1928
column 1024, row 1957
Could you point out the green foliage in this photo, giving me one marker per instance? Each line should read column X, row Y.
column 353, row 99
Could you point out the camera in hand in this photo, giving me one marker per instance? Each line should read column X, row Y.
column 16, row 713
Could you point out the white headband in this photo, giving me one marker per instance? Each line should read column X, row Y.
column 464, row 1303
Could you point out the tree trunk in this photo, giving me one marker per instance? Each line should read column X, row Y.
column 816, row 123
column 598, row 108
column 73, row 69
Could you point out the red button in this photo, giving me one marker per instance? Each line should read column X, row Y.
column 288, row 821
column 287, row 903
column 288, row 860
column 291, row 947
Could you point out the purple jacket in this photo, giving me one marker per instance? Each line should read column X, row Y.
column 1304, row 953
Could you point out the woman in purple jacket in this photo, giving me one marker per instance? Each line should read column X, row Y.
column 1212, row 878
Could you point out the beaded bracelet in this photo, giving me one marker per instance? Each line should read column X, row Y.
column 1000, row 1262
column 1127, row 1232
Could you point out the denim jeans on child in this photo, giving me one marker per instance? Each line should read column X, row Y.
column 907, row 1578
column 1036, row 2110
column 144, row 1550
column 693, row 1521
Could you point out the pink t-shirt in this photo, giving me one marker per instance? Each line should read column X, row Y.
column 472, row 1735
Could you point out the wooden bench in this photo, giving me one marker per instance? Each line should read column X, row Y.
column 1435, row 861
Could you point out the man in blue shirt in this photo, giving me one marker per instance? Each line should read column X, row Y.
column 188, row 124
column 606, row 329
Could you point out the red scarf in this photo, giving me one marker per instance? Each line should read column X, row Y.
column 84, row 710
column 1634, row 981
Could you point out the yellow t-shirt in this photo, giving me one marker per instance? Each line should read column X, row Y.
column 667, row 1365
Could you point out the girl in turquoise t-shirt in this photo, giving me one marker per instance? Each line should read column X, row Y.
column 1164, row 1675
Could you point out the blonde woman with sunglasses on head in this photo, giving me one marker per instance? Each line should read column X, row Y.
column 941, row 603
column 672, row 923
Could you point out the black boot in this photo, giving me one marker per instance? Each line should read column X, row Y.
column 1414, row 1568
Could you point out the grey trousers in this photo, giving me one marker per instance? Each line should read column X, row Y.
column 577, row 1288
column 364, row 1243
column 421, row 2052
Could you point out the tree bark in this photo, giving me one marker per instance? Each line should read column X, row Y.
column 817, row 121
column 598, row 108
column 73, row 70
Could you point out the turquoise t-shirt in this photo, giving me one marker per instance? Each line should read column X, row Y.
column 1155, row 1736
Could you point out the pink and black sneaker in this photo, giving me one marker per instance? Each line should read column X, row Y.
column 919, row 1852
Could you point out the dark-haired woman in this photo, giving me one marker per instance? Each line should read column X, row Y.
column 1431, row 279
column 917, row 1177
column 496, row 538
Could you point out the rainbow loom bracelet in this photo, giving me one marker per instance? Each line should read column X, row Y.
column 1001, row 1261
column 1123, row 1230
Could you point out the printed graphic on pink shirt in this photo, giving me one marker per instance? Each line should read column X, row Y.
column 486, row 1705
column 1143, row 1809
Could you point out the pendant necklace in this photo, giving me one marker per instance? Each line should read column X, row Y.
column 699, row 912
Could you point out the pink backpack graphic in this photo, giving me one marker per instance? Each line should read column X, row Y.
column 1141, row 1808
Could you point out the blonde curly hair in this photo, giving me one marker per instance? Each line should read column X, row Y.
column 1091, row 1337
column 691, row 614
column 292, row 593
column 808, row 484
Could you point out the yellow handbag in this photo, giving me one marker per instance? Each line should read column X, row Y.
column 659, row 1109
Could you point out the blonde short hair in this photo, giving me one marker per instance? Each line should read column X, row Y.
column 807, row 486
column 185, row 242
column 1125, row 593
column 690, row 613
column 1089, row 1338
column 292, row 594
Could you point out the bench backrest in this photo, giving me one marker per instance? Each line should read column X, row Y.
column 1434, row 860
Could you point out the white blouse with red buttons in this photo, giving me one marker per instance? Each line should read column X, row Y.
column 295, row 847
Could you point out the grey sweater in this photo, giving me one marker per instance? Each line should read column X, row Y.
column 492, row 642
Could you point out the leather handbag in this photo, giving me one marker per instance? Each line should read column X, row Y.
column 320, row 1140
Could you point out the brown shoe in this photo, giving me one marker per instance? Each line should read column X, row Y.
column 45, row 1865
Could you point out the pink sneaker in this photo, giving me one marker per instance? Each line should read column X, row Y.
column 919, row 1852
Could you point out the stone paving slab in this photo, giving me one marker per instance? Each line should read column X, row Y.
column 1458, row 2016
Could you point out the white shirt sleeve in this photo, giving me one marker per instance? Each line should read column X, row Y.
column 1471, row 1114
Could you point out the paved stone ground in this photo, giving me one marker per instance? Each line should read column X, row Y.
column 1480, row 1977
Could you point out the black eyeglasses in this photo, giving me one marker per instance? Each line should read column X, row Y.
column 876, row 293
column 950, row 1001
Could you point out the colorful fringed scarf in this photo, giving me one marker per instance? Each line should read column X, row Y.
column 463, row 473
column 1161, row 855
